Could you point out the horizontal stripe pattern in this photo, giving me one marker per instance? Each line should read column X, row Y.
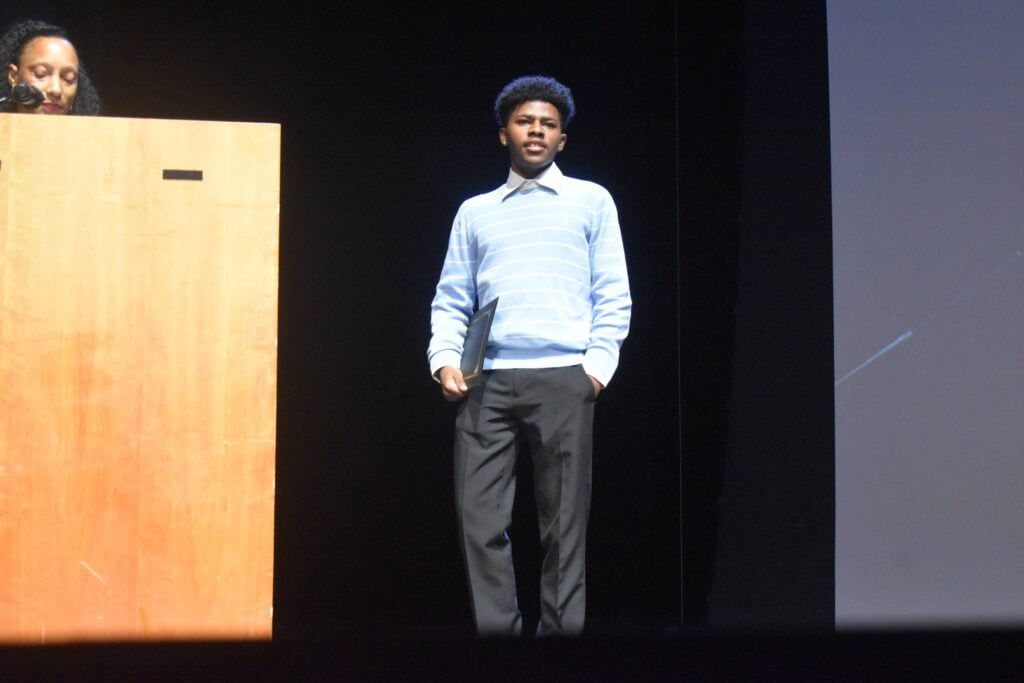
column 554, row 259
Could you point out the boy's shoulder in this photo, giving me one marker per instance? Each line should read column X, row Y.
column 588, row 187
column 479, row 205
column 486, row 198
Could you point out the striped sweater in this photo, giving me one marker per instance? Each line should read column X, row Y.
column 551, row 251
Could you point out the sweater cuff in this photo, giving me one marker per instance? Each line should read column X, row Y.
column 443, row 358
column 599, row 365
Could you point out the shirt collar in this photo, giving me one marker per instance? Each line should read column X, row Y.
column 551, row 178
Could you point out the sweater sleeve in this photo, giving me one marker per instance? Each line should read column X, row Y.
column 454, row 298
column 609, row 293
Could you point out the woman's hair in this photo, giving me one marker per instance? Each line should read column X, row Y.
column 530, row 88
column 12, row 44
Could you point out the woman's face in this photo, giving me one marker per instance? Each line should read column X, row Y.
column 51, row 65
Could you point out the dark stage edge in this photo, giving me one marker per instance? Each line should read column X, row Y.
column 879, row 655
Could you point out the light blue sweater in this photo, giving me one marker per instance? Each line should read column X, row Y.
column 551, row 251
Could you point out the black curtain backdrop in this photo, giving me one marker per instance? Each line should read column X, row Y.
column 705, row 123
column 775, row 561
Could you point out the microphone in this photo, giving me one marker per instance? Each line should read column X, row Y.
column 24, row 94
column 27, row 95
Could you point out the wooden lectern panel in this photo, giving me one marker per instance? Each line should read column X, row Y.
column 138, row 378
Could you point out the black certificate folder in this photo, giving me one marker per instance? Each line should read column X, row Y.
column 475, row 346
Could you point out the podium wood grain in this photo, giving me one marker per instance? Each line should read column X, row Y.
column 138, row 352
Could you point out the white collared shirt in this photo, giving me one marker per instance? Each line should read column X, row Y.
column 550, row 178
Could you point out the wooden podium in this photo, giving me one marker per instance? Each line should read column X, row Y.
column 138, row 378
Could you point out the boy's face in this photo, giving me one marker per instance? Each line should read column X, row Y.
column 533, row 136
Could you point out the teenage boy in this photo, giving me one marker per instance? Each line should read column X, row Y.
column 548, row 247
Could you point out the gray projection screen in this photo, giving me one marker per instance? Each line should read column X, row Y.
column 927, row 139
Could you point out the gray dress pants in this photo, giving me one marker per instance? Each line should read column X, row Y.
column 548, row 413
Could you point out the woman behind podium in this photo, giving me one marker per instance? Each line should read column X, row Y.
column 43, row 56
